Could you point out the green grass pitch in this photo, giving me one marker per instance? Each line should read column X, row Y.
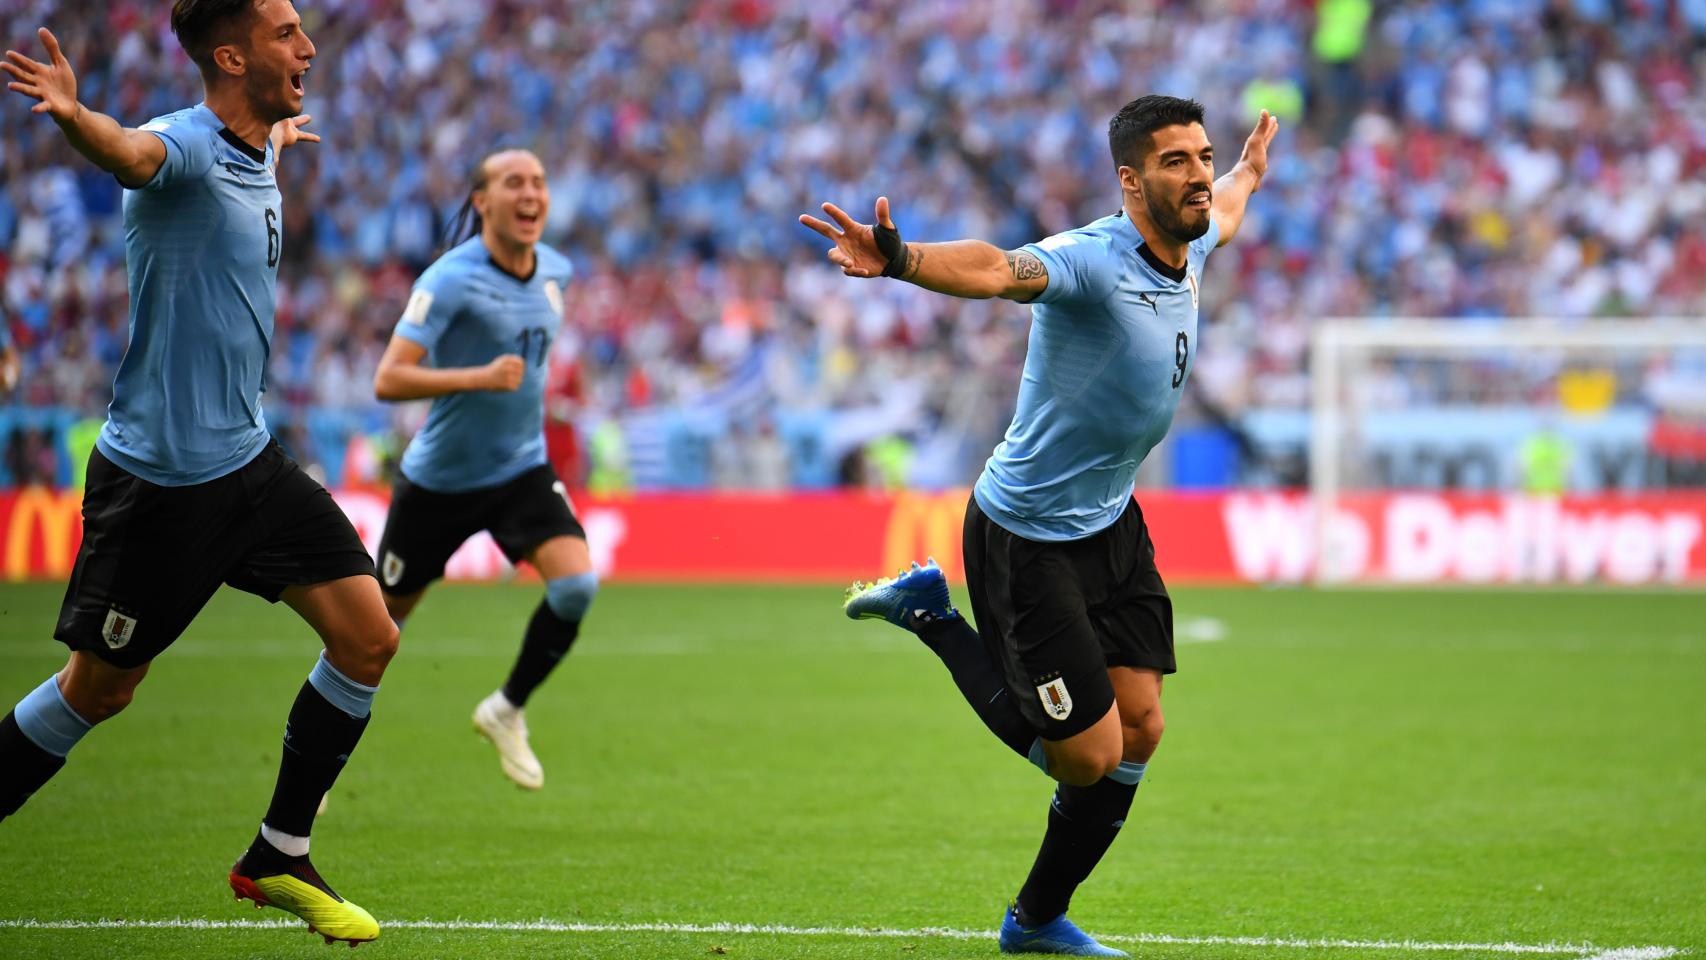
column 1450, row 767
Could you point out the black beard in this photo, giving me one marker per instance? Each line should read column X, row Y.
column 1172, row 222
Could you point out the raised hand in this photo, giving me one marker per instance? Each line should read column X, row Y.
column 1256, row 148
column 53, row 83
column 504, row 374
column 287, row 132
column 856, row 250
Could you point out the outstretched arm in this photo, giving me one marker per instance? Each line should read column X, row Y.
column 1232, row 192
column 132, row 155
column 962, row 268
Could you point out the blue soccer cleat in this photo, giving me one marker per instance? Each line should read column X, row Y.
column 1059, row 936
column 919, row 593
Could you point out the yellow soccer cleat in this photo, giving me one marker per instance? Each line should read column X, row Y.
column 301, row 891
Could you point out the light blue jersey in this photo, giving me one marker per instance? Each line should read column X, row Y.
column 467, row 311
column 1111, row 345
column 202, row 241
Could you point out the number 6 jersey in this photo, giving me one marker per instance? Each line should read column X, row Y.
column 467, row 311
column 1111, row 344
column 202, row 241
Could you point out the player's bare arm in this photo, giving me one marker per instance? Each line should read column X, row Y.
column 131, row 155
column 401, row 375
column 971, row 269
column 1232, row 191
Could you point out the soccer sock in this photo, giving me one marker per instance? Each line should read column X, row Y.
column 550, row 634
column 981, row 683
column 1082, row 823
column 34, row 739
column 326, row 722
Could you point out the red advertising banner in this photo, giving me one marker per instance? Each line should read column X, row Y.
column 1200, row 537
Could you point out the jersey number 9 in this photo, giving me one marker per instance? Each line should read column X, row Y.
column 1181, row 354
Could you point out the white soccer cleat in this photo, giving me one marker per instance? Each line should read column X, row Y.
column 501, row 723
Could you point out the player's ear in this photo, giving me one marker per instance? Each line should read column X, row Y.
column 1130, row 182
column 480, row 202
column 228, row 57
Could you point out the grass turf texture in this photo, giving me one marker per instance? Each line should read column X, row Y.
column 1456, row 767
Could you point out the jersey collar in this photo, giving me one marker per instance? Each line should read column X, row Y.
column 1175, row 274
column 259, row 156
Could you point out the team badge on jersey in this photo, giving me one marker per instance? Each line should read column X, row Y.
column 1191, row 279
column 554, row 296
column 391, row 568
column 1057, row 703
column 118, row 629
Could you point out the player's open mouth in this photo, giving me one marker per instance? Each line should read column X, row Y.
column 528, row 218
column 296, row 79
column 1199, row 200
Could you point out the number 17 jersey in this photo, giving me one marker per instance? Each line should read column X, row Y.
column 467, row 311
column 1112, row 340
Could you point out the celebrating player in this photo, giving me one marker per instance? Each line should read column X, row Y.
column 1076, row 626
column 185, row 488
column 485, row 314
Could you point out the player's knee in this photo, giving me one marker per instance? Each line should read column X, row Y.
column 1083, row 767
column 363, row 655
column 571, row 597
column 383, row 645
column 1142, row 734
column 97, row 702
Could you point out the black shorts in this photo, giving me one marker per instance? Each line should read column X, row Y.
column 425, row 527
column 152, row 556
column 1057, row 615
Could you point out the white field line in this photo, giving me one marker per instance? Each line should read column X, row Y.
column 1580, row 950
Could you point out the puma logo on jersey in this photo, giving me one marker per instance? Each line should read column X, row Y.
column 1149, row 298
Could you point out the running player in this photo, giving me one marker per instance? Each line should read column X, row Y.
column 186, row 490
column 484, row 316
column 1076, row 625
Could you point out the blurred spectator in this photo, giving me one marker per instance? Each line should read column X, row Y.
column 1476, row 158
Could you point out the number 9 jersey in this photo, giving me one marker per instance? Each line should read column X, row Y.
column 1112, row 340
column 467, row 311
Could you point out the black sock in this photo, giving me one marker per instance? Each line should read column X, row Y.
column 27, row 766
column 980, row 681
column 318, row 739
column 1082, row 822
column 547, row 641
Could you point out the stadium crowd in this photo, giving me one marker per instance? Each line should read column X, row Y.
column 1476, row 159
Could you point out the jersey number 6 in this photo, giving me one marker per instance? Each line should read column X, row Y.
column 1181, row 354
column 273, row 244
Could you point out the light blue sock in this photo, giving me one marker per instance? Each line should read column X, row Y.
column 571, row 597
column 1128, row 773
column 355, row 699
column 49, row 722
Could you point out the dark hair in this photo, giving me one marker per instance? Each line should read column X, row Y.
column 467, row 222
column 205, row 25
column 1131, row 133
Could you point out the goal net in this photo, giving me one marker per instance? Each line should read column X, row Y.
column 1508, row 452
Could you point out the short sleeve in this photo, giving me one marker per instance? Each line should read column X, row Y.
column 1082, row 267
column 1204, row 245
column 432, row 305
column 189, row 151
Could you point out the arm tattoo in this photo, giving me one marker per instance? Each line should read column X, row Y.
column 914, row 260
column 1025, row 266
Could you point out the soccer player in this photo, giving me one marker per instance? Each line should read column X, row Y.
column 484, row 316
column 1074, row 626
column 186, row 490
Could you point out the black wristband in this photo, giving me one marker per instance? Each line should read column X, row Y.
column 890, row 245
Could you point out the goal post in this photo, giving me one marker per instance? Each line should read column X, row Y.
column 1431, row 445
